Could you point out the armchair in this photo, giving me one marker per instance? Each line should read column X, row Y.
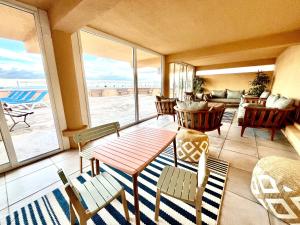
column 165, row 106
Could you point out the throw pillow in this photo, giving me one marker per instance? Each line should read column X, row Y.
column 283, row 103
column 265, row 94
column 271, row 100
column 181, row 105
column 159, row 98
column 218, row 93
column 198, row 106
column 199, row 95
column 234, row 94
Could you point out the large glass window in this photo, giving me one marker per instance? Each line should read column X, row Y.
column 149, row 82
column 23, row 87
column 109, row 80
column 181, row 79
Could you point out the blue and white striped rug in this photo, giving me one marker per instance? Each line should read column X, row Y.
column 53, row 208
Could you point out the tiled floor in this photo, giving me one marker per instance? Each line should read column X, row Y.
column 23, row 185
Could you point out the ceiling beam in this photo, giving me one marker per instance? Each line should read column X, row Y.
column 273, row 44
column 70, row 15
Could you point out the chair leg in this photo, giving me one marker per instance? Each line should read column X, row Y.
column 92, row 167
column 273, row 134
column 157, row 205
column 198, row 217
column 157, row 116
column 219, row 131
column 83, row 221
column 242, row 131
column 72, row 215
column 80, row 163
column 124, row 202
column 174, row 118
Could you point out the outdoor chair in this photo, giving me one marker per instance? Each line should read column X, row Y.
column 10, row 96
column 20, row 100
column 18, row 95
column 202, row 120
column 38, row 100
column 165, row 106
column 91, row 134
column 183, row 185
column 13, row 114
column 89, row 198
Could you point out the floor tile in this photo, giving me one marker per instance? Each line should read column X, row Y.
column 3, row 197
column 64, row 155
column 215, row 146
column 19, row 172
column 34, row 197
column 236, row 131
column 275, row 144
column 3, row 214
column 32, row 183
column 266, row 151
column 2, row 178
column 239, row 182
column 240, row 211
column 237, row 160
column 275, row 221
column 71, row 165
column 241, row 147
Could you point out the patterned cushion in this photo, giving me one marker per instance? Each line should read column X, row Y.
column 234, row 94
column 190, row 145
column 283, row 103
column 192, row 105
column 271, row 100
column 276, row 185
column 218, row 93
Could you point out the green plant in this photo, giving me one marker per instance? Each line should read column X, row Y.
column 259, row 84
column 198, row 83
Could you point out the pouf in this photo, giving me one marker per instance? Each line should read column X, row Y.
column 190, row 145
column 276, row 185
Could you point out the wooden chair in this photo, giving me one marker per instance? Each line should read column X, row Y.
column 201, row 120
column 91, row 134
column 262, row 117
column 166, row 107
column 254, row 100
column 183, row 185
column 95, row 193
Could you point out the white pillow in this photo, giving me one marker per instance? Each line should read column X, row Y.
column 283, row 103
column 271, row 100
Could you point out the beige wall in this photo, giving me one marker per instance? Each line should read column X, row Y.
column 287, row 83
column 230, row 81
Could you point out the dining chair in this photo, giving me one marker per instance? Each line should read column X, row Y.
column 90, row 197
column 91, row 134
column 183, row 185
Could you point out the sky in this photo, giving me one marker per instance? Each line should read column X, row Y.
column 16, row 63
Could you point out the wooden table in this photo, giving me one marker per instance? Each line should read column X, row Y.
column 134, row 151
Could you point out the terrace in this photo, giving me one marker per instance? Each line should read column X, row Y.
column 158, row 112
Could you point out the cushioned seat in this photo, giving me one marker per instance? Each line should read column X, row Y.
column 225, row 100
column 190, row 145
column 276, row 185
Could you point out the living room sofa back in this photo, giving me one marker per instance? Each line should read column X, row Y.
column 231, row 98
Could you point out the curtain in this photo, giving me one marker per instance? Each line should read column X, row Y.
column 181, row 79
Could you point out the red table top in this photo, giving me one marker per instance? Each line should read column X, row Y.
column 132, row 152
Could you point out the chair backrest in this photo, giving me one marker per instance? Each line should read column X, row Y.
column 12, row 94
column 202, row 120
column 165, row 106
column 266, row 117
column 29, row 96
column 21, row 95
column 73, row 194
column 41, row 96
column 202, row 171
column 97, row 132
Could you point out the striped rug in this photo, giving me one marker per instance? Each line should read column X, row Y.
column 53, row 208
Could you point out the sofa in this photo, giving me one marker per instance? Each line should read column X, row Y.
column 231, row 98
column 273, row 114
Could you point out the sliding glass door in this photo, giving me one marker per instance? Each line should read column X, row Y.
column 28, row 128
column 149, row 82
column 109, row 79
column 121, row 80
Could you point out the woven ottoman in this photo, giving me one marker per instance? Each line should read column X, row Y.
column 190, row 145
column 276, row 185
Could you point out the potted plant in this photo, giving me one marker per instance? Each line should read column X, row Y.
column 259, row 84
column 198, row 83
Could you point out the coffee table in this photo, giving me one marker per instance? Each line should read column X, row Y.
column 133, row 152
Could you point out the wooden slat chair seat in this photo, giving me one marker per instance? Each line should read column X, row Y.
column 81, row 138
column 183, row 185
column 88, row 198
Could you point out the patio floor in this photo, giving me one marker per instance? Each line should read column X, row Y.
column 23, row 185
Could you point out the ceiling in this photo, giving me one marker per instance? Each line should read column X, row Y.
column 171, row 26
column 175, row 26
